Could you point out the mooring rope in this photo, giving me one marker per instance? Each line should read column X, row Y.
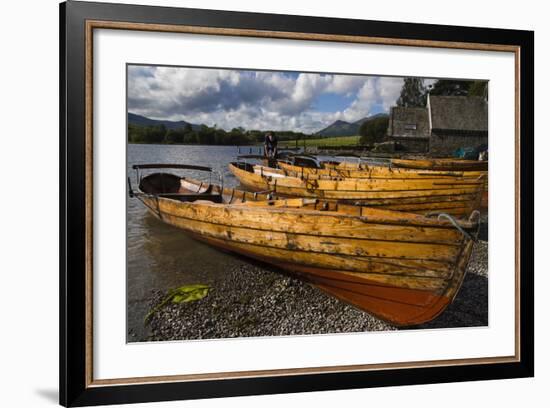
column 453, row 221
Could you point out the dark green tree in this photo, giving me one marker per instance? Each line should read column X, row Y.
column 136, row 134
column 206, row 135
column 220, row 136
column 413, row 93
column 479, row 88
column 256, row 135
column 450, row 87
column 175, row 136
column 373, row 131
column 190, row 138
column 146, row 134
column 237, row 136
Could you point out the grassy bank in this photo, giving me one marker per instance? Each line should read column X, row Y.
column 323, row 142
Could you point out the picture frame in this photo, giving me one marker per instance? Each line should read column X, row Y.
column 78, row 20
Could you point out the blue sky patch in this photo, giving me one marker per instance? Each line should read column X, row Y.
column 230, row 98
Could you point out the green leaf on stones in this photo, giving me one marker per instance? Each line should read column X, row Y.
column 183, row 294
column 189, row 293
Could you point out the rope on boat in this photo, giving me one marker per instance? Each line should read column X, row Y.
column 453, row 221
column 475, row 216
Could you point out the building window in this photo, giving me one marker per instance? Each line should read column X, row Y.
column 410, row 126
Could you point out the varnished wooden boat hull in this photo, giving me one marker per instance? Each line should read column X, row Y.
column 441, row 164
column 354, row 170
column 374, row 171
column 458, row 196
column 401, row 267
column 399, row 306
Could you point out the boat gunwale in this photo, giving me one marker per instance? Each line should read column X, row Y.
column 448, row 243
column 375, row 172
column 407, row 218
column 452, row 180
column 449, row 285
column 364, row 258
column 476, row 187
column 373, row 168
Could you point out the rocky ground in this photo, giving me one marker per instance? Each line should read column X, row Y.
column 254, row 301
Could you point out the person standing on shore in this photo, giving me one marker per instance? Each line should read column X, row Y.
column 270, row 145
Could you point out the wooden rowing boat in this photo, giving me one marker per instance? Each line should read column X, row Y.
column 441, row 164
column 372, row 171
column 446, row 164
column 365, row 170
column 404, row 268
column 454, row 195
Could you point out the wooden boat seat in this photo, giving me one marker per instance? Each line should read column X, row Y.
column 215, row 198
column 286, row 203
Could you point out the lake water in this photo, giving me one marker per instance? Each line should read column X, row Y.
column 160, row 256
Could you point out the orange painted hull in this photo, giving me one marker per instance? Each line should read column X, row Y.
column 399, row 306
column 404, row 268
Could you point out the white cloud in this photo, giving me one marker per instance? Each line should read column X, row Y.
column 345, row 84
column 376, row 91
column 254, row 99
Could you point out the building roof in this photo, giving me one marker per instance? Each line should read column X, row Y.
column 408, row 122
column 462, row 113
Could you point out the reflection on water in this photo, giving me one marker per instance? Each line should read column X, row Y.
column 160, row 256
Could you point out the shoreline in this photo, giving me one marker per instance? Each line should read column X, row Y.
column 254, row 300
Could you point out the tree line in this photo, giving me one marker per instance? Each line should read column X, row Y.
column 415, row 94
column 204, row 135
column 373, row 131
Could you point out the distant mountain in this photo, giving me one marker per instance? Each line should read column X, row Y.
column 139, row 120
column 339, row 128
column 343, row 128
column 365, row 119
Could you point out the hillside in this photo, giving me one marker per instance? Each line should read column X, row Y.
column 363, row 120
column 343, row 128
column 139, row 120
column 325, row 142
column 339, row 128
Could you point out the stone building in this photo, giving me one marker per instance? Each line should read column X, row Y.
column 444, row 125
column 457, row 121
column 410, row 127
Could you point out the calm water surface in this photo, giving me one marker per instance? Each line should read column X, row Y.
column 161, row 256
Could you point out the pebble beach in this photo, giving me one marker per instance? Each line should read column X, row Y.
column 253, row 300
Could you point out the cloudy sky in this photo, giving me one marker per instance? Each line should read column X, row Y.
column 257, row 99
